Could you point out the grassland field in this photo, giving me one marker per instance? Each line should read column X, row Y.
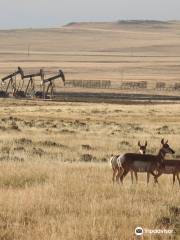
column 55, row 178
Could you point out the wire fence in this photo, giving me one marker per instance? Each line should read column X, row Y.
column 124, row 85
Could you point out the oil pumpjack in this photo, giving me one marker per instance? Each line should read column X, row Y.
column 49, row 85
column 30, row 88
column 10, row 81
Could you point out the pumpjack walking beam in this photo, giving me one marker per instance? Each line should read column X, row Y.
column 30, row 79
column 10, row 78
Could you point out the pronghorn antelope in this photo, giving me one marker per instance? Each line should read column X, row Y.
column 170, row 167
column 142, row 150
column 116, row 166
column 143, row 163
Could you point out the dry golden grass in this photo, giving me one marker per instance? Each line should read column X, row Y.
column 49, row 192
column 78, row 201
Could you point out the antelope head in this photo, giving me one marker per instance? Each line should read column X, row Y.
column 142, row 148
column 166, row 148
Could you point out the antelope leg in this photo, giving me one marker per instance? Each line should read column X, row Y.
column 123, row 175
column 120, row 173
column 114, row 173
column 132, row 177
column 178, row 178
column 136, row 176
column 147, row 178
column 174, row 176
column 156, row 176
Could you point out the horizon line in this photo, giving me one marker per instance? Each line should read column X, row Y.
column 87, row 21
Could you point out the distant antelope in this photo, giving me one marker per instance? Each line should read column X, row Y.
column 170, row 167
column 116, row 165
column 143, row 163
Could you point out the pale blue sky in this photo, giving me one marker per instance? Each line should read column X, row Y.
column 47, row 13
